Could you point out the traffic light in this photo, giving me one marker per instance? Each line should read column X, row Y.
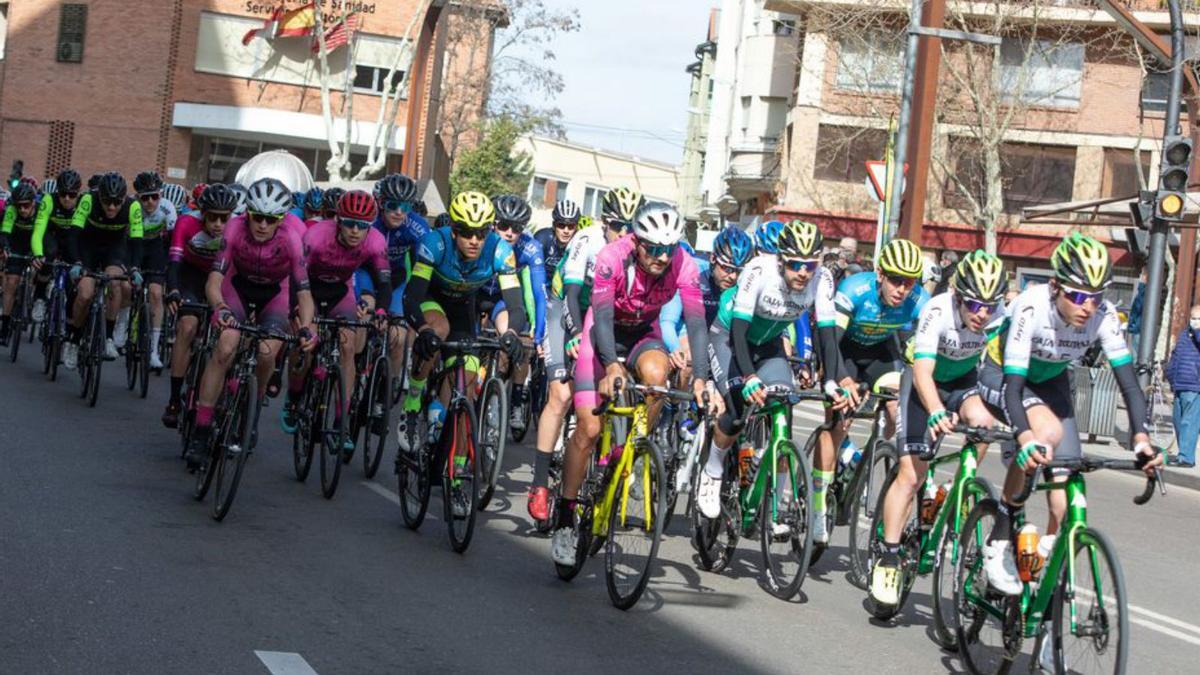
column 1173, row 178
column 1142, row 210
column 14, row 178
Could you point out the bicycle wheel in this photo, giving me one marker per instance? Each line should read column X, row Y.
column 305, row 440
column 377, row 416
column 785, row 526
column 493, row 409
column 412, row 476
column 583, row 530
column 53, row 353
column 236, row 444
column 910, row 551
column 461, row 481
column 17, row 325
column 865, row 493
column 333, row 430
column 1090, row 621
column 983, row 613
column 191, row 381
column 716, row 540
column 945, row 618
column 132, row 362
column 634, row 525
column 143, row 351
column 96, row 359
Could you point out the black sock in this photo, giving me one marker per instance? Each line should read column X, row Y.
column 519, row 393
column 108, row 328
column 566, row 512
column 541, row 469
column 1003, row 530
column 176, row 388
column 889, row 554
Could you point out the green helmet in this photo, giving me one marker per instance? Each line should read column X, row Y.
column 980, row 276
column 1082, row 261
column 902, row 258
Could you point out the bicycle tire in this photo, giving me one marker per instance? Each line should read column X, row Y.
column 53, row 356
column 909, row 552
column 191, row 382
column 96, row 356
column 304, row 441
column 333, row 431
column 800, row 544
column 866, row 490
column 132, row 362
column 16, row 323
column 206, row 472
column 143, row 351
column 654, row 495
column 971, row 618
column 1089, row 542
column 945, row 615
column 461, row 528
column 583, row 543
column 714, row 553
column 378, row 395
column 232, row 462
column 491, row 441
column 412, row 477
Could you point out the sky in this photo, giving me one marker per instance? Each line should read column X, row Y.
column 626, row 89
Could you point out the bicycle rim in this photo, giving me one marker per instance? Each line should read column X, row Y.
column 461, row 479
column 945, row 618
column 982, row 612
column 1096, row 641
column 634, row 526
column 412, row 476
column 786, row 555
column 493, row 420
column 236, row 446
column 333, row 431
column 378, row 417
column 304, row 441
column 143, row 353
column 865, row 500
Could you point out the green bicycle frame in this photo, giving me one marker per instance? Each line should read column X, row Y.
column 624, row 467
column 968, row 463
column 779, row 446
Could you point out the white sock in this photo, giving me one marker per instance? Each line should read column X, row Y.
column 123, row 315
column 155, row 335
column 715, row 467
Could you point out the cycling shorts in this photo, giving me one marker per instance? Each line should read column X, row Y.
column 867, row 363
column 770, row 364
column 20, row 242
column 264, row 304
column 555, row 345
column 914, row 418
column 333, row 300
column 54, row 242
column 462, row 316
column 191, row 288
column 100, row 253
column 153, row 264
column 631, row 343
column 1054, row 393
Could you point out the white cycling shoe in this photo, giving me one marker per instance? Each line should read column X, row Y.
column 708, row 495
column 1000, row 569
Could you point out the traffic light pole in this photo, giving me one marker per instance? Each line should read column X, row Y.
column 1155, row 279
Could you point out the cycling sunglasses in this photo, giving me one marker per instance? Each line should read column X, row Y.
column 617, row 225
column 727, row 268
column 264, row 218
column 397, row 205
column 796, row 265
column 504, row 227
column 975, row 306
column 658, row 250
column 897, row 280
column 149, row 197
column 565, row 226
column 354, row 223
column 471, row 233
column 1078, row 297
column 213, row 216
column 68, row 195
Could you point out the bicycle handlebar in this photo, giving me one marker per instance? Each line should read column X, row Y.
column 1087, row 464
column 973, row 434
column 644, row 389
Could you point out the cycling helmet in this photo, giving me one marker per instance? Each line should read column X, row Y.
column 357, row 205
column 31, row 182
column 329, row 200
column 902, row 258
column 314, row 199
column 766, row 237
column 512, row 210
column 147, row 182
column 175, row 194
column 443, row 220
column 112, row 187
column 732, row 247
column 980, row 276
column 566, row 211
column 68, row 181
column 49, row 186
column 658, row 223
column 800, row 239
column 298, row 199
column 94, row 181
column 1082, row 261
column 197, row 190
column 396, row 187
column 621, row 204
column 22, row 193
column 269, row 197
column 420, row 208
column 472, row 210
column 217, row 197
column 585, row 221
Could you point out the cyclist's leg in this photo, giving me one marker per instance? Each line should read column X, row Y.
column 728, row 380
column 652, row 363
column 897, row 503
column 397, row 335
column 154, row 267
column 1057, row 395
column 588, row 371
column 973, row 412
column 558, row 395
column 211, row 383
column 344, row 308
column 274, row 317
column 93, row 254
column 191, row 290
column 437, row 321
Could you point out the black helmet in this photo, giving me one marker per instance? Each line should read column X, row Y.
column 396, row 187
column 566, row 211
column 147, row 182
column 442, row 220
column 420, row 209
column 512, row 210
column 329, row 200
column 112, row 187
column 68, row 181
column 218, row 197
column 22, row 193
column 94, row 181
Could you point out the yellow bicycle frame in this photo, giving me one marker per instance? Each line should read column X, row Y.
column 640, row 428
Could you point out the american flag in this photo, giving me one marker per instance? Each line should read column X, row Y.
column 339, row 34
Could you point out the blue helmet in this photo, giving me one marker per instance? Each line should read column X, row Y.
column 766, row 237
column 732, row 247
column 313, row 199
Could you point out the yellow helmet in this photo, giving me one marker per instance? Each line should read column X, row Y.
column 902, row 258
column 980, row 276
column 472, row 210
column 1082, row 261
column 621, row 204
column 800, row 239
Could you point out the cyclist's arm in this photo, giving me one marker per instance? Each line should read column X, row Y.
column 925, row 351
column 212, row 289
column 669, row 319
column 694, row 317
column 514, row 301
column 135, row 234
column 79, row 218
column 416, row 289
column 1017, row 350
column 537, row 288
column 10, row 218
column 40, row 223
column 572, row 292
column 381, row 279
column 175, row 257
column 299, row 277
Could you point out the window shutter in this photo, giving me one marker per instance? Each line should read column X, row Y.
column 72, row 25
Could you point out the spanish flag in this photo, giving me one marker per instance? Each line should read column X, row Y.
column 297, row 22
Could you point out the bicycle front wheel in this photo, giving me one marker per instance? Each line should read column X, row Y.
column 866, row 497
column 377, row 417
column 785, row 526
column 143, row 351
column 235, row 446
column 333, row 431
column 983, row 613
column 634, row 525
column 462, row 478
column 1090, row 617
column 17, row 329
column 945, row 617
column 493, row 420
column 910, row 552
column 95, row 359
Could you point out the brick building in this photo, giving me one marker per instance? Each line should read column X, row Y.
column 169, row 85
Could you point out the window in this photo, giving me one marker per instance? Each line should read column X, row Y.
column 593, row 201
column 745, row 114
column 546, row 192
column 373, row 79
column 227, row 155
column 72, row 25
column 1042, row 72
column 777, row 111
column 1029, row 175
column 1155, row 86
column 783, row 27
column 871, row 63
column 842, row 152
column 711, row 85
column 1121, row 173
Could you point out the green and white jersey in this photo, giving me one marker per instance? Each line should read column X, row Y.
column 1040, row 345
column 579, row 263
column 943, row 337
column 763, row 298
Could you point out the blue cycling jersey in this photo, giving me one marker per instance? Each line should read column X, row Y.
column 552, row 252
column 671, row 316
column 863, row 315
column 451, row 277
column 531, row 264
column 399, row 241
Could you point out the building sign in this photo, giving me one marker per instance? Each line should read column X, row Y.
column 331, row 10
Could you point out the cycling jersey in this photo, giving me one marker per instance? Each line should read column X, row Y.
column 192, row 245
column 671, row 317
column 943, row 337
column 54, row 218
column 332, row 264
column 553, row 252
column 161, row 219
column 444, row 282
column 531, row 270
column 576, row 270
column 399, row 241
column 763, row 298
column 257, row 274
column 89, row 216
column 18, row 235
column 864, row 316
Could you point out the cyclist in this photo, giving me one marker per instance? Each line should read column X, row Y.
column 194, row 200
column 111, row 238
column 564, row 222
column 1025, row 375
column 174, row 193
column 329, row 202
column 858, row 344
column 195, row 244
column 635, row 276
column 260, row 263
column 58, row 238
column 747, row 339
column 333, row 250
column 942, row 385
column 313, row 201
column 402, row 230
column 158, row 221
column 766, row 237
column 18, row 234
column 571, row 291
column 440, row 301
column 512, row 216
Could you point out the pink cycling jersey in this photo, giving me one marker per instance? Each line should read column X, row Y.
column 267, row 263
column 192, row 245
column 331, row 262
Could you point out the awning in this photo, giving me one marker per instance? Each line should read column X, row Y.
column 276, row 126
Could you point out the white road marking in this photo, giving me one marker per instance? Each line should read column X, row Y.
column 1154, row 620
column 382, row 491
column 284, row 663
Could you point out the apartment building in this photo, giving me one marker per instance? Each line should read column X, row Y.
column 700, row 98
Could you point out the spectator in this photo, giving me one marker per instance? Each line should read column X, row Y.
column 947, row 262
column 1183, row 373
column 1135, row 312
column 848, row 259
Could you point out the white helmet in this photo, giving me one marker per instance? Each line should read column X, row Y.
column 240, row 191
column 269, row 197
column 658, row 223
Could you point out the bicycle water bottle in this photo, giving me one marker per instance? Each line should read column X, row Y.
column 1028, row 562
column 929, row 503
column 745, row 463
column 849, row 455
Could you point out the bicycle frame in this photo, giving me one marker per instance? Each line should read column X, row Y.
column 779, row 447
column 968, row 463
column 640, row 428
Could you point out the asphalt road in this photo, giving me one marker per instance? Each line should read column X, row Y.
column 107, row 565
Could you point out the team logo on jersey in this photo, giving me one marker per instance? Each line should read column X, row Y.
column 605, row 272
column 510, row 260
